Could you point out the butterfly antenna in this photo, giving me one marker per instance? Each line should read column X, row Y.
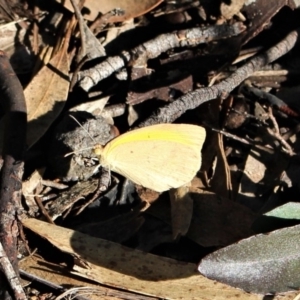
column 77, row 151
column 88, row 148
column 83, row 129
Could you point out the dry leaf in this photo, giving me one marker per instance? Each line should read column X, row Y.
column 18, row 52
column 91, row 46
column 94, row 107
column 229, row 10
column 46, row 95
column 259, row 14
column 132, row 8
column 28, row 188
column 122, row 267
column 57, row 274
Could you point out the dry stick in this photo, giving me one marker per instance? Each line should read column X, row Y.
column 42, row 208
column 272, row 99
column 108, row 291
column 244, row 141
column 11, row 275
column 53, row 184
column 53, row 286
column 77, row 8
column 13, row 103
column 153, row 48
column 174, row 110
column 35, row 43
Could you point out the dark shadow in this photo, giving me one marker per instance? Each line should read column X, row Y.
column 136, row 264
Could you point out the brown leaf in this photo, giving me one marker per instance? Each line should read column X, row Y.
column 259, row 14
column 229, row 10
column 132, row 8
column 134, row 270
column 46, row 95
column 29, row 187
column 57, row 274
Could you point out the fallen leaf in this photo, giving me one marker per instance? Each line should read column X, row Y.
column 229, row 10
column 113, row 264
column 131, row 8
column 46, row 95
column 57, row 274
column 29, row 187
column 19, row 54
column 289, row 210
column 259, row 14
column 92, row 46
column 260, row 264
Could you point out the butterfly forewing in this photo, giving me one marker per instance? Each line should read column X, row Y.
column 159, row 157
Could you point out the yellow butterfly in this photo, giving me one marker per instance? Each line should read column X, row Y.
column 159, row 157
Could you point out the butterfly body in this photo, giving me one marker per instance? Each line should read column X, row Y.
column 159, row 157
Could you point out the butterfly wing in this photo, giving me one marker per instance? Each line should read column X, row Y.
column 158, row 157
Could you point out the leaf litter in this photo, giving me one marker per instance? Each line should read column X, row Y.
column 162, row 62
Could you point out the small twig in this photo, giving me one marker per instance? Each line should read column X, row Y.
column 153, row 48
column 233, row 136
column 291, row 132
column 43, row 209
column 174, row 110
column 35, row 45
column 48, row 197
column 53, row 184
column 79, row 290
column 245, row 54
column 103, row 183
column 270, row 73
column 272, row 99
column 77, row 7
column 243, row 140
column 48, row 284
column 276, row 133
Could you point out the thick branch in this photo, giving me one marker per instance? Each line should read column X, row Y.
column 155, row 47
column 13, row 103
column 174, row 110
